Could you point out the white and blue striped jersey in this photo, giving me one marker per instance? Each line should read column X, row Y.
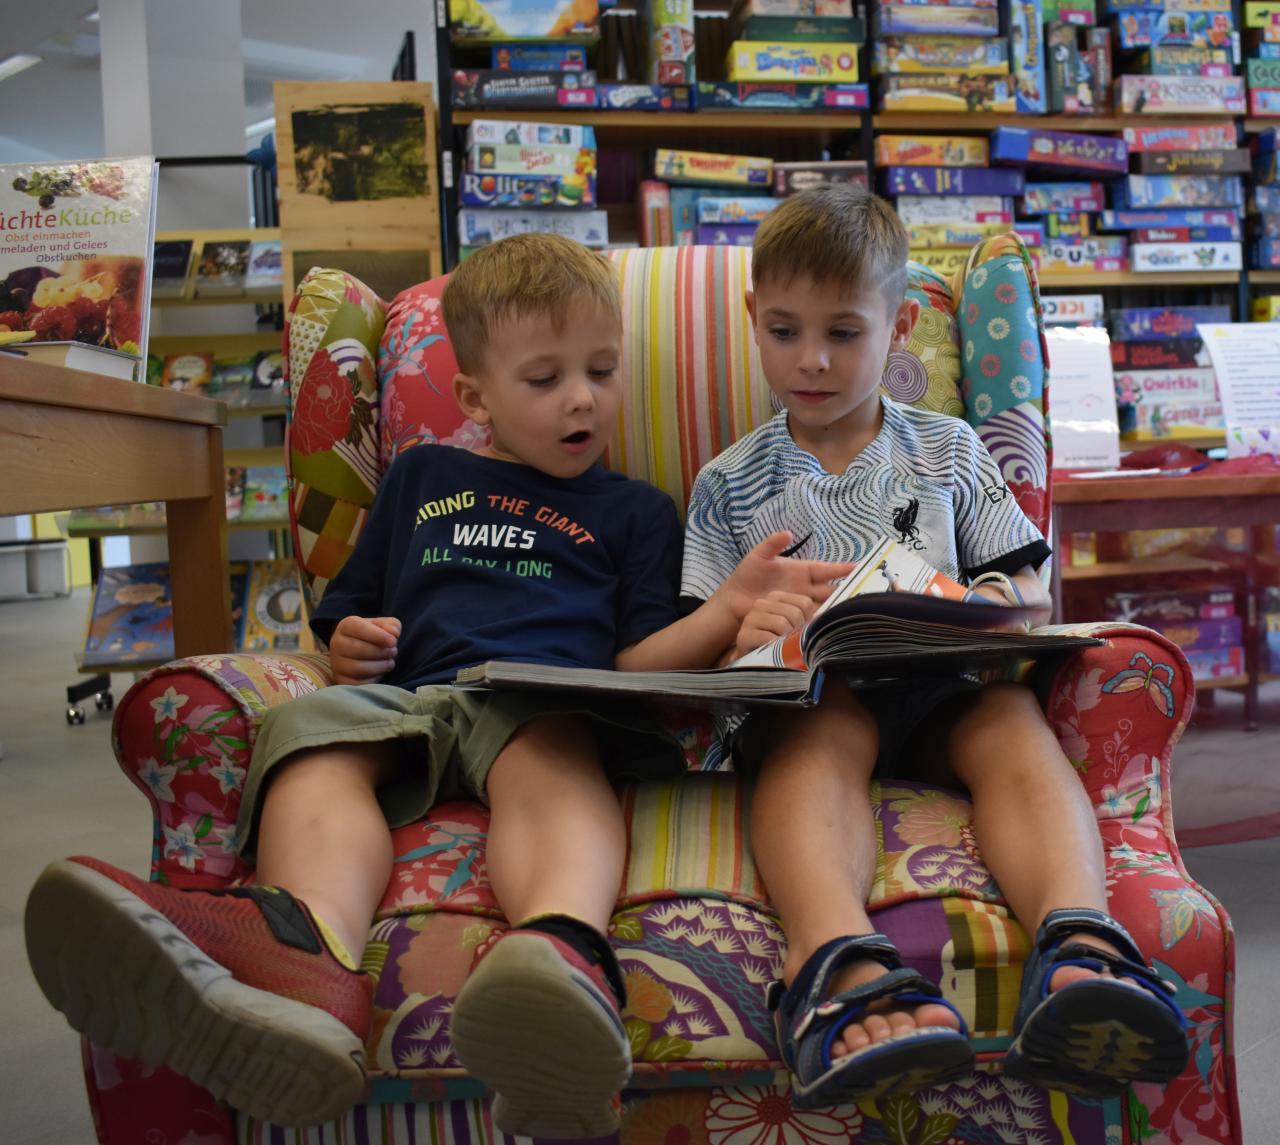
column 925, row 480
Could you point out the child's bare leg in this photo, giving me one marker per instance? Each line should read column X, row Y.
column 814, row 840
column 538, row 1019
column 557, row 840
column 1028, row 802
column 324, row 838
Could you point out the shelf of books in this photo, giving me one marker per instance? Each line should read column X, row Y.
column 231, row 265
column 130, row 626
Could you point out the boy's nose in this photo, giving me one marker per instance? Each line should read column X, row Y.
column 580, row 395
column 814, row 360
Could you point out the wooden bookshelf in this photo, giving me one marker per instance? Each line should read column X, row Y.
column 1223, row 682
column 1185, row 278
column 988, row 121
column 1107, row 570
column 1206, row 439
column 1264, row 278
column 705, row 121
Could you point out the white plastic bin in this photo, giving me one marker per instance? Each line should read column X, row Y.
column 13, row 570
column 47, row 568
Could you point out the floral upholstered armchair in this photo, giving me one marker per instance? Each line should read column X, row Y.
column 693, row 928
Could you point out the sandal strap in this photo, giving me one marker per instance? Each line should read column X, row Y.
column 809, row 1022
column 811, row 984
column 1053, row 950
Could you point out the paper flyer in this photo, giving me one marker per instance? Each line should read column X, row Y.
column 1082, row 414
column 1246, row 360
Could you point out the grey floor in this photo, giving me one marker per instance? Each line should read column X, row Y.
column 61, row 793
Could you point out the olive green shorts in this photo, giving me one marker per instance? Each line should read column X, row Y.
column 444, row 741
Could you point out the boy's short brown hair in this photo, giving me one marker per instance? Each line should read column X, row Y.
column 838, row 234
column 519, row 276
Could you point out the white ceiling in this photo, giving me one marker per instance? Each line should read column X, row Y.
column 53, row 110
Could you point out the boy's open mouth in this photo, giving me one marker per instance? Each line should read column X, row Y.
column 579, row 438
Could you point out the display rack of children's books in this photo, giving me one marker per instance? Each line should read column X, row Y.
column 130, row 625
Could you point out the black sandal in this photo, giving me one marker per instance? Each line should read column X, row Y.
column 1094, row 1036
column 808, row 1024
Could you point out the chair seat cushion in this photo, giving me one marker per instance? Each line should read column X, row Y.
column 693, row 930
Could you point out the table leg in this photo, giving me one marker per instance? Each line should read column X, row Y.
column 197, row 530
column 1055, row 569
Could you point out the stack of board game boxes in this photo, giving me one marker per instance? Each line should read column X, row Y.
column 529, row 177
column 709, row 199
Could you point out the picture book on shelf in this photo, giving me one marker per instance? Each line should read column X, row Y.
column 170, row 263
column 132, row 616
column 75, row 252
column 72, row 356
column 238, row 573
column 266, row 265
column 894, row 615
column 190, row 371
column 235, row 491
column 273, row 607
column 266, row 494
column 222, row 267
column 268, row 370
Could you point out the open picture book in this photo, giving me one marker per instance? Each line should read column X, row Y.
column 891, row 618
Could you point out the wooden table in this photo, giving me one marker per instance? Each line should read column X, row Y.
column 1118, row 504
column 72, row 440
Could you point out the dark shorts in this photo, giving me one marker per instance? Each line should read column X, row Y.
column 446, row 739
column 910, row 716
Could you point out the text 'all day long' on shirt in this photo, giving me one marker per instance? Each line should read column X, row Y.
column 481, row 559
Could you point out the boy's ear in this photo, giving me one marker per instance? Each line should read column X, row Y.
column 749, row 297
column 904, row 322
column 469, row 395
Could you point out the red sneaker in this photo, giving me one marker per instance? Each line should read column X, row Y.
column 236, row 990
column 539, row 1024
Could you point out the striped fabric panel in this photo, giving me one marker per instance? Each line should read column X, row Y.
column 983, row 964
column 420, row 1123
column 691, row 374
column 689, row 839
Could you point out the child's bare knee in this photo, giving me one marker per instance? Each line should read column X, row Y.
column 1006, row 700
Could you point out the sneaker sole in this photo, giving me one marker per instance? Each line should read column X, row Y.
column 125, row 976
column 1095, row 1039
column 533, row 1029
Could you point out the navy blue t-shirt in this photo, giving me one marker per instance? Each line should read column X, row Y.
column 482, row 559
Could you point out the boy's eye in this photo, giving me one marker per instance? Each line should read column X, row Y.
column 603, row 372
column 542, row 382
column 782, row 333
column 843, row 335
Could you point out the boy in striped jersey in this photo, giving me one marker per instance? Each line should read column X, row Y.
column 840, row 466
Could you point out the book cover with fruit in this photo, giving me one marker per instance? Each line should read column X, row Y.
column 75, row 251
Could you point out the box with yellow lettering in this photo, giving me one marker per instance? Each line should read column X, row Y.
column 755, row 60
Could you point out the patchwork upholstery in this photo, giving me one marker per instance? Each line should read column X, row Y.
column 693, row 928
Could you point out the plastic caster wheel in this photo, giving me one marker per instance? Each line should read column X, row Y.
column 75, row 715
column 104, row 701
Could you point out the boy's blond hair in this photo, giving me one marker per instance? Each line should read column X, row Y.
column 520, row 276
column 839, row 234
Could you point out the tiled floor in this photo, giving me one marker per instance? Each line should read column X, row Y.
column 60, row 793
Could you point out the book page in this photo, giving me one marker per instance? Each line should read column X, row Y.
column 1246, row 360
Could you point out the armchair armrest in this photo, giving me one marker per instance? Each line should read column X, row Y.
column 184, row 734
column 1118, row 710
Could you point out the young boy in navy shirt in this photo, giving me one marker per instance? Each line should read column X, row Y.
column 840, row 467
column 525, row 550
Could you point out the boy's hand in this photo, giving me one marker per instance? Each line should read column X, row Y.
column 773, row 616
column 765, row 570
column 363, row 649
